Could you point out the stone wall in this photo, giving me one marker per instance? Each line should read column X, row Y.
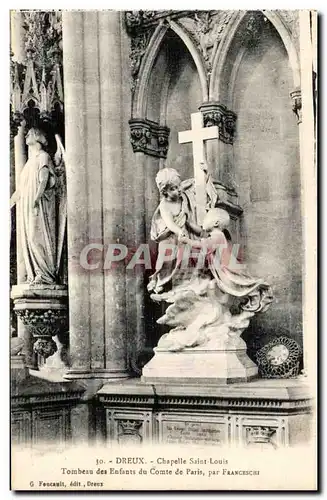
column 267, row 177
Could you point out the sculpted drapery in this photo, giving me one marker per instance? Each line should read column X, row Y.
column 38, row 215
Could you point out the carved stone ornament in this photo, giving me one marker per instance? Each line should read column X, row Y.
column 41, row 322
column 259, row 435
column 297, row 104
column 44, row 312
column 139, row 44
column 45, row 347
column 149, row 137
column 251, row 35
column 130, row 426
column 140, row 20
column 129, row 432
column 215, row 114
column 207, row 29
column 36, row 87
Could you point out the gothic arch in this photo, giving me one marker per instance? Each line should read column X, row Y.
column 217, row 77
column 140, row 96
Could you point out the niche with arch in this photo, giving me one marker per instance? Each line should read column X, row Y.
column 263, row 165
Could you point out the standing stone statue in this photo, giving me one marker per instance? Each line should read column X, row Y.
column 39, row 218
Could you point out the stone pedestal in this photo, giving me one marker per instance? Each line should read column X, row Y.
column 269, row 413
column 196, row 365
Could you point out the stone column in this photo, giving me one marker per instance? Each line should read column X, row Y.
column 22, row 331
column 77, row 197
column 309, row 193
column 134, row 212
column 110, row 64
column 20, row 160
column 92, row 81
column 17, row 36
column 18, row 50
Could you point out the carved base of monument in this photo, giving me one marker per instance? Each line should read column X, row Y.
column 43, row 310
column 259, row 414
column 199, row 366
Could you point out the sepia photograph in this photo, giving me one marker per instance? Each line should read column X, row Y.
column 163, row 249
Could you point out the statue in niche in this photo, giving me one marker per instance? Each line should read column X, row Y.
column 212, row 305
column 173, row 220
column 42, row 210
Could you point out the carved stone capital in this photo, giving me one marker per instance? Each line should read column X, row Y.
column 216, row 114
column 297, row 104
column 149, row 137
column 43, row 310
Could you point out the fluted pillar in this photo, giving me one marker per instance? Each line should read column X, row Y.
column 91, row 50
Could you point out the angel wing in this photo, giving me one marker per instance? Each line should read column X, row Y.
column 59, row 160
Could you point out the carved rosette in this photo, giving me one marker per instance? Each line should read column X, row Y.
column 215, row 114
column 297, row 104
column 149, row 137
column 258, row 435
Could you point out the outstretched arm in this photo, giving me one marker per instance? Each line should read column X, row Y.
column 169, row 220
column 193, row 243
column 195, row 228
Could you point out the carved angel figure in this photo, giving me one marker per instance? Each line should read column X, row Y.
column 173, row 219
column 200, row 309
column 42, row 210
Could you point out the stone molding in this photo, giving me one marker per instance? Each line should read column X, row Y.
column 216, row 114
column 149, row 137
column 237, row 404
column 46, row 398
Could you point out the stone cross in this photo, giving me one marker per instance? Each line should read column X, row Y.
column 197, row 135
